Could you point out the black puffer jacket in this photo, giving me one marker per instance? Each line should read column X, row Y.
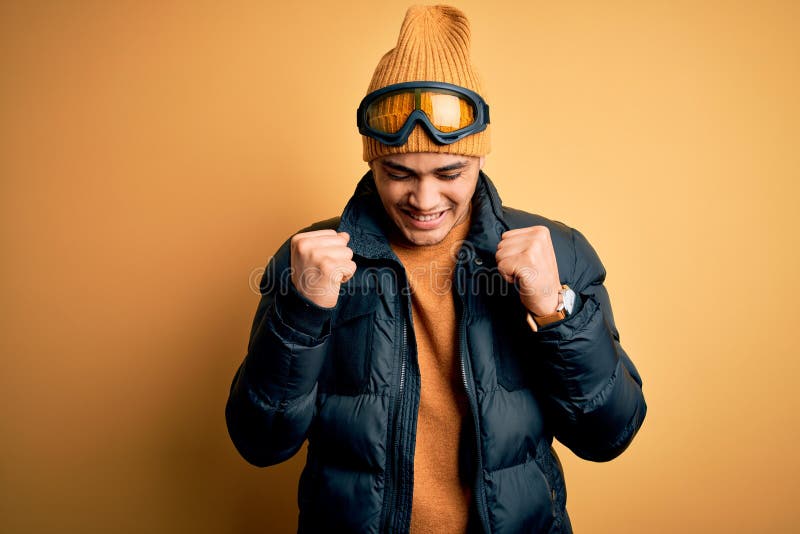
column 347, row 379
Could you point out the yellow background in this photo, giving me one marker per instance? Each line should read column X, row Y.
column 153, row 155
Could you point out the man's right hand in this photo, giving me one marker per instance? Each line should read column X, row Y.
column 321, row 263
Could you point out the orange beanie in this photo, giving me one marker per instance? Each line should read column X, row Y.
column 433, row 46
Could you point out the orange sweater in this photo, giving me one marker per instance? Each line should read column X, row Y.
column 441, row 498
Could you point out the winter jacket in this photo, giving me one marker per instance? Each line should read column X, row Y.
column 347, row 379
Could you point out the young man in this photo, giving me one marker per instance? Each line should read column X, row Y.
column 430, row 342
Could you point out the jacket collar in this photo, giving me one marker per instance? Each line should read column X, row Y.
column 365, row 219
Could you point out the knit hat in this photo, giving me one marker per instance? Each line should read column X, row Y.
column 433, row 46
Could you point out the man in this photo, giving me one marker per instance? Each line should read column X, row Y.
column 430, row 342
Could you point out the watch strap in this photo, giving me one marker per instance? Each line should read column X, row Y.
column 535, row 321
column 540, row 320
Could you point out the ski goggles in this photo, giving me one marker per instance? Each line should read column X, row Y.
column 447, row 112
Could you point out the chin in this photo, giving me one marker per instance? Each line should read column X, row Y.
column 418, row 237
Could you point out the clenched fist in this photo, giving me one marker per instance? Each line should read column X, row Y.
column 525, row 257
column 321, row 263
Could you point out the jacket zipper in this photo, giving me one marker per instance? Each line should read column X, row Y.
column 480, row 490
column 399, row 401
column 392, row 481
column 550, row 491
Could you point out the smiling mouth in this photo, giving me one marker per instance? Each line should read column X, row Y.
column 425, row 217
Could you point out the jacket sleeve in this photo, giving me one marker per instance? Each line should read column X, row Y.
column 272, row 397
column 593, row 390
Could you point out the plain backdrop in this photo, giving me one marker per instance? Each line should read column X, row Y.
column 154, row 155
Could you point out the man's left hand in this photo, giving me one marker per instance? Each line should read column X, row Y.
column 525, row 257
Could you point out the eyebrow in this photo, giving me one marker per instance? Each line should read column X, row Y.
column 446, row 168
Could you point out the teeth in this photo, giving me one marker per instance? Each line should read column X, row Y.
column 426, row 217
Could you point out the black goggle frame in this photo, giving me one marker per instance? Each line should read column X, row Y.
column 479, row 123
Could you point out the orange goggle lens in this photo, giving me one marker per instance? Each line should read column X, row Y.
column 446, row 111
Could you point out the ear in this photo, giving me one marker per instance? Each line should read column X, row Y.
column 483, row 158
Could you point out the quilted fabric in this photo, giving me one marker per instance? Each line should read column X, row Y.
column 347, row 379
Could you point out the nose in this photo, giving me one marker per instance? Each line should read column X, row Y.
column 425, row 196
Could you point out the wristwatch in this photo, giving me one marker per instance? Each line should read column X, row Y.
column 566, row 303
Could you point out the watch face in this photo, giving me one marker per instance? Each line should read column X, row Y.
column 569, row 300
